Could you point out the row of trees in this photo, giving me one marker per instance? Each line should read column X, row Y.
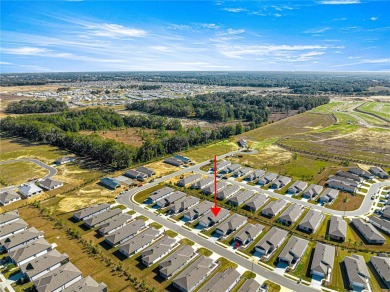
column 111, row 152
column 227, row 106
column 36, row 106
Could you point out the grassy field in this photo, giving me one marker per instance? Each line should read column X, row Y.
column 25, row 171
column 380, row 109
column 201, row 154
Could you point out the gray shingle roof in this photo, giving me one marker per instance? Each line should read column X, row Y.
column 12, row 227
column 8, row 196
column 161, row 247
column 382, row 264
column 323, row 258
column 274, row 208
column 294, row 249
column 367, row 230
column 231, row 223
column 43, row 263
column 337, row 227
column 194, row 273
column 256, row 202
column 90, row 210
column 157, row 195
column 249, row 232
column 8, row 216
column 170, row 264
column 210, row 189
column 126, row 231
column 313, row 190
column 272, row 238
column 183, row 204
column 311, row 220
column 140, row 240
column 255, row 175
column 381, row 223
column 329, row 194
column 21, row 237
column 221, row 281
column 86, row 284
column 203, row 183
column 49, row 183
column 241, row 197
column 227, row 192
column 249, row 286
column 102, row 217
column 189, row 179
column 115, row 223
column 292, row 213
column 298, row 186
column 27, row 251
column 356, row 269
column 57, row 278
column 210, row 219
column 200, row 209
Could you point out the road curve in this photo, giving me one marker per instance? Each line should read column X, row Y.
column 51, row 170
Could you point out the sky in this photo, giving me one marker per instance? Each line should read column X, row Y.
column 262, row 35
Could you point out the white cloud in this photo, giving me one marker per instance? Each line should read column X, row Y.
column 339, row 2
column 232, row 31
column 235, row 10
column 115, row 30
column 374, row 18
column 209, row 25
column 317, row 30
column 28, row 51
column 365, row 61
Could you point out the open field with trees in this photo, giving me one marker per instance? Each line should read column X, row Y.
column 25, row 171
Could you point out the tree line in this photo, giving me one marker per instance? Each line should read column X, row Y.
column 36, row 106
column 227, row 106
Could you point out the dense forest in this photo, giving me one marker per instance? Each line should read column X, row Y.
column 227, row 106
column 59, row 130
column 299, row 82
column 36, row 106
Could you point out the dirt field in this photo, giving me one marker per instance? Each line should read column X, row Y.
column 162, row 168
column 347, row 202
column 29, row 88
column 25, row 171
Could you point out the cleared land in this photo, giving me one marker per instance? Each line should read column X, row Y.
column 380, row 109
column 25, row 171
column 204, row 153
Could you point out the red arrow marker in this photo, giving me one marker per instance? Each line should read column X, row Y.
column 215, row 209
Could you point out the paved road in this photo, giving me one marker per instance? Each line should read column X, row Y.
column 51, row 170
column 125, row 199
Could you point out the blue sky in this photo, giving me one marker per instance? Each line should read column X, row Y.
column 318, row 35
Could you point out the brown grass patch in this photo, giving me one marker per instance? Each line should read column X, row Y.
column 347, row 202
column 16, row 173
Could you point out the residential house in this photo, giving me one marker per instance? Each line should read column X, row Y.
column 311, row 221
column 8, row 197
column 222, row 281
column 379, row 172
column 183, row 204
column 148, row 171
column 221, row 165
column 160, row 194
column 274, row 208
column 291, row 214
column 9, row 217
column 269, row 177
column 110, row 183
column 29, row 190
column 382, row 224
column 248, row 233
column 242, row 171
column 13, row 228
column 249, row 285
column 227, row 192
column 30, row 251
column 313, row 191
column 198, row 211
column 101, row 218
column 328, row 196
column 126, row 232
column 258, row 173
column 349, row 175
column 50, row 184
column 386, row 212
column 124, row 180
column 232, row 168
column 173, row 161
column 382, row 267
column 323, row 260
column 140, row 241
column 342, row 183
column 281, row 182
column 362, row 173
column 173, row 197
column 191, row 179
column 90, row 211
column 201, row 184
column 369, row 232
column 240, row 197
column 231, row 224
column 271, row 241
column 87, row 284
column 44, row 264
column 176, row 261
column 20, row 239
column 64, row 160
column 115, row 224
column 158, row 250
column 357, row 271
column 297, row 187
column 242, row 143
column 195, row 274
column 293, row 251
column 337, row 228
column 210, row 189
column 140, row 176
column 58, row 279
column 256, row 202
column 210, row 220
column 182, row 158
